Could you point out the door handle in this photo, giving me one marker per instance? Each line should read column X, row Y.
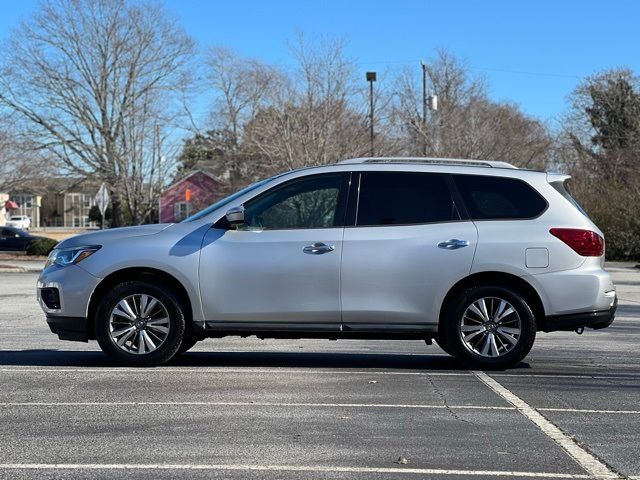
column 318, row 248
column 453, row 244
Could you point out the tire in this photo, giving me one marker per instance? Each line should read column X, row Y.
column 160, row 324
column 187, row 344
column 496, row 339
column 441, row 341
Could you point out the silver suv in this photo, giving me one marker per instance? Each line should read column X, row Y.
column 475, row 255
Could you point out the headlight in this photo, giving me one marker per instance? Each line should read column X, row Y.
column 69, row 256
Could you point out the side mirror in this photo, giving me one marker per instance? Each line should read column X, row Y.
column 235, row 216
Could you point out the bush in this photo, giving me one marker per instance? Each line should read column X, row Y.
column 41, row 246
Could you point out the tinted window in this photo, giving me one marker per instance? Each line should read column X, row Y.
column 397, row 198
column 499, row 197
column 561, row 187
column 311, row 202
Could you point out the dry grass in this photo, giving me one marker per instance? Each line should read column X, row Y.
column 58, row 235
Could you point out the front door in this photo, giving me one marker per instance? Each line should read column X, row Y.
column 409, row 245
column 283, row 266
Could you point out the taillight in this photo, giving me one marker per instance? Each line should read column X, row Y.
column 583, row 242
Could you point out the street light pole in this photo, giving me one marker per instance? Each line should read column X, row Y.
column 371, row 77
column 424, row 108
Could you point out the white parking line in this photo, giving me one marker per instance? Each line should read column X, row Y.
column 587, row 410
column 306, row 404
column 623, row 376
column 298, row 371
column 283, row 468
column 249, row 404
column 223, row 370
column 586, row 460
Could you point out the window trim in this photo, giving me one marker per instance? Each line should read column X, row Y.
column 177, row 210
column 462, row 212
column 341, row 206
column 499, row 219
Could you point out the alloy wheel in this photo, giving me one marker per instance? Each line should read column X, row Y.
column 139, row 324
column 490, row 327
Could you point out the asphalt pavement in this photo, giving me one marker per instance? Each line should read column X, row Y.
column 287, row 409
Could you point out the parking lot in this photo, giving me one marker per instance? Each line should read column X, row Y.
column 285, row 409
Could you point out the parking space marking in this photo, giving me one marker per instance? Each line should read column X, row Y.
column 284, row 468
column 250, row 404
column 620, row 376
column 229, row 370
column 306, row 404
column 311, row 370
column 587, row 410
column 585, row 459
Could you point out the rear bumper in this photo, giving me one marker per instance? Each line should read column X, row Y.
column 595, row 319
column 69, row 328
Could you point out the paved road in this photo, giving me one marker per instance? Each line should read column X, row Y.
column 245, row 408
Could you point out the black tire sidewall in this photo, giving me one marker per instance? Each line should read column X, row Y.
column 457, row 308
column 188, row 342
column 162, row 354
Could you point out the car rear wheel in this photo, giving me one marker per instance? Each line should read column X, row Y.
column 489, row 327
column 140, row 324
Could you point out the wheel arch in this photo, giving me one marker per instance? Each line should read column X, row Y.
column 498, row 279
column 141, row 274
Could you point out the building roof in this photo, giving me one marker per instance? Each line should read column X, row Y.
column 195, row 172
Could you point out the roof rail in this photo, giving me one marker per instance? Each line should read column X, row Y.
column 431, row 161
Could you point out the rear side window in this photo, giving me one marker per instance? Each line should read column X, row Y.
column 562, row 190
column 494, row 198
column 398, row 198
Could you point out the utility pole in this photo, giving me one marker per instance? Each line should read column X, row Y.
column 371, row 77
column 424, row 108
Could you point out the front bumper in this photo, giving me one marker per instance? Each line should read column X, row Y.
column 69, row 328
column 64, row 294
column 74, row 287
column 573, row 321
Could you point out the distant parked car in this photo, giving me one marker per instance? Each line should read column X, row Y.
column 14, row 239
column 19, row 221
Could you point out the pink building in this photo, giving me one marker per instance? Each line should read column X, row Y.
column 187, row 196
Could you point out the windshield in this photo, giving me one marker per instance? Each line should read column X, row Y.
column 226, row 200
column 16, row 218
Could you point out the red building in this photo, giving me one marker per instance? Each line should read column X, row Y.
column 187, row 196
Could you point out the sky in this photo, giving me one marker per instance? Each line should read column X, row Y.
column 533, row 53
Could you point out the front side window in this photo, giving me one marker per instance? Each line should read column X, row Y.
column 495, row 198
column 404, row 198
column 309, row 202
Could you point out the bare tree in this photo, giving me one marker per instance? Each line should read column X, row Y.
column 241, row 87
column 311, row 116
column 467, row 123
column 600, row 147
column 93, row 82
column 20, row 167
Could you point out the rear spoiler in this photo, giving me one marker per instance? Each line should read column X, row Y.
column 557, row 177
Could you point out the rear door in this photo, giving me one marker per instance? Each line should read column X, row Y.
column 409, row 244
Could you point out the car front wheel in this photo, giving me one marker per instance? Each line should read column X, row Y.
column 140, row 324
column 490, row 327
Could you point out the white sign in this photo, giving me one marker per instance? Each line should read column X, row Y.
column 102, row 200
